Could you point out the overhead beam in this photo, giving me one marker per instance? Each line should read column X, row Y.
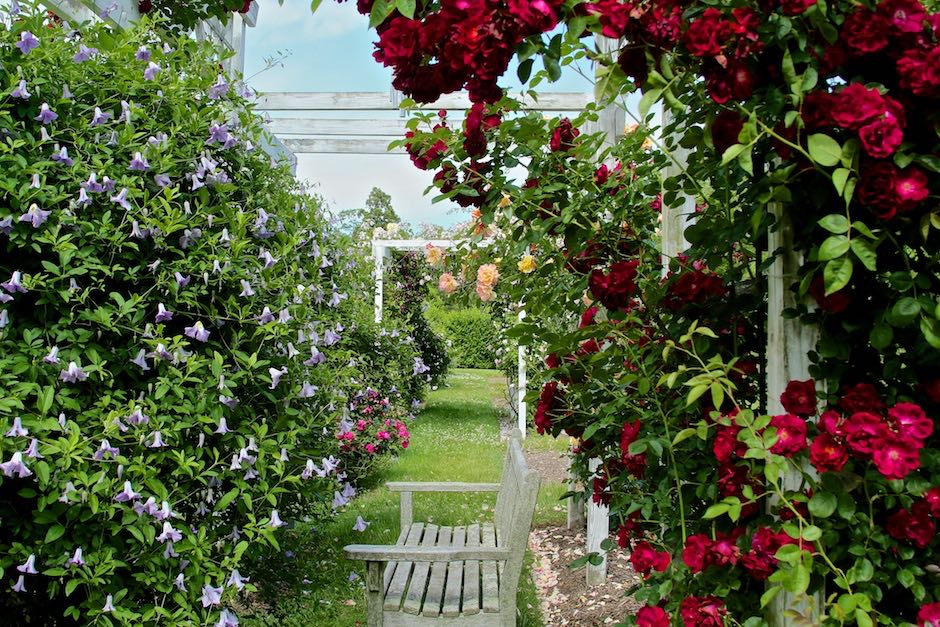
column 364, row 146
column 392, row 128
column 382, row 101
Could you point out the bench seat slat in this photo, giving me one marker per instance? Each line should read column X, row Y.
column 396, row 588
column 432, row 600
column 390, row 567
column 454, row 584
column 419, row 577
column 490, row 576
column 471, row 575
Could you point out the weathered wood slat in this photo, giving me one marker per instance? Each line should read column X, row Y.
column 385, row 553
column 382, row 101
column 365, row 146
column 392, row 128
column 471, row 575
column 396, row 588
column 454, row 583
column 419, row 578
column 490, row 576
column 440, row 486
column 435, row 593
column 390, row 567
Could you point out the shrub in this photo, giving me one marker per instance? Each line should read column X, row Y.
column 376, row 428
column 162, row 386
column 470, row 335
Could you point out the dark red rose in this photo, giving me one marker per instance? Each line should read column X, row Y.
column 615, row 288
column 882, row 137
column 760, row 561
column 546, row 405
column 693, row 287
column 645, row 559
column 146, row 6
column 613, row 16
column 831, row 422
column 817, row 108
column 857, row 105
column 563, row 136
column 733, row 81
column 837, row 302
column 707, row 34
column 695, row 552
column 827, row 454
column 897, row 456
column 725, row 129
column 535, row 16
column 246, row 6
column 628, row 436
column 627, row 529
column 600, row 496
column 632, row 60
column 662, row 25
column 918, row 71
column 910, row 421
column 929, row 615
column 799, row 398
column 552, row 361
column 911, row 188
column 866, row 432
column 865, row 31
column 795, row 7
column 601, row 175
column 708, row 611
column 726, row 445
column 914, row 526
column 476, row 124
column 652, row 616
column 791, row 434
column 932, row 499
column 861, row 397
column 906, row 16
column 587, row 318
column 877, row 189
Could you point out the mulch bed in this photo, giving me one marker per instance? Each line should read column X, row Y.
column 565, row 597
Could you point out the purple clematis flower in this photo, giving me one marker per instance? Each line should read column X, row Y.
column 164, row 512
column 163, row 314
column 142, row 54
column 121, row 199
column 29, row 566
column 15, row 467
column 360, row 525
column 33, row 449
column 316, row 357
column 99, row 117
column 227, row 619
column 228, row 401
column 6, row 225
column 21, row 91
column 92, row 185
column 283, row 316
column 20, row 585
column 107, row 184
column 330, row 338
column 223, row 426
column 330, row 464
column 218, row 134
column 127, row 494
column 5, row 298
column 284, row 457
column 84, row 54
column 141, row 360
column 157, row 441
column 339, row 500
column 180, row 582
column 197, row 332
column 77, row 559
column 307, row 390
column 266, row 316
column 66, row 93
column 125, row 112
column 137, row 232
column 27, row 42
column 219, row 89
column 108, row 604
column 276, row 520
column 169, row 533
column 62, row 156
column 83, row 198
column 158, row 140
column 14, row 284
column 161, row 180
column 310, row 469
column 149, row 507
column 53, row 356
column 349, row 491
column 276, row 375
column 73, row 374
column 236, row 579
column 14, row 8
column 152, row 70
column 269, row 259
column 46, row 115
column 137, row 417
column 336, row 299
column 35, row 216
column 138, row 163
column 181, row 281
column 211, row 596
column 106, row 449
column 246, row 288
column 35, row 183
column 4, row 319
column 17, row 430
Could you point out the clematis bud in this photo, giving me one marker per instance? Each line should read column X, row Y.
column 17, row 430
column 108, row 604
column 76, row 559
column 33, row 449
column 73, row 374
column 127, row 494
column 276, row 520
column 29, row 566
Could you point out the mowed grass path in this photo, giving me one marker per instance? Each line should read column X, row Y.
column 455, row 438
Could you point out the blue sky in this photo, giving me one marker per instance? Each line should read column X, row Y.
column 331, row 50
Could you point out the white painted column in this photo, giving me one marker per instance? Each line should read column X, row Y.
column 598, row 529
column 521, row 385
column 378, row 256
column 675, row 218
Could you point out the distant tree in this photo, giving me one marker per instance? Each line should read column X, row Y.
column 378, row 213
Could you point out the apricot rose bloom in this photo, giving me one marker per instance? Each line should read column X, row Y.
column 527, row 264
column 487, row 275
column 447, row 283
column 485, row 292
column 433, row 255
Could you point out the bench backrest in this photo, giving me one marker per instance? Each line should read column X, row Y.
column 515, row 506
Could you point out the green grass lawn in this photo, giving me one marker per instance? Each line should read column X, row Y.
column 455, row 438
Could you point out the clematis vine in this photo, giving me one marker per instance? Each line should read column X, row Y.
column 197, row 331
column 127, row 494
column 106, row 449
column 163, row 314
column 73, row 373
column 316, row 357
column 46, row 115
column 33, row 449
column 152, row 70
column 276, row 520
column 138, row 163
column 157, row 441
column 15, row 283
column 141, row 360
column 276, row 374
column 52, row 357
column 307, row 390
column 84, row 53
column 35, row 216
column 181, row 280
column 219, row 89
column 99, row 117
column 77, row 558
column 21, row 91
column 246, row 289
column 15, row 467
column 17, row 430
column 27, row 43
column 169, row 534
column 236, row 579
column 361, row 525
column 20, row 585
column 121, row 199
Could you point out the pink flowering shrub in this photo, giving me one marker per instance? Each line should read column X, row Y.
column 375, row 428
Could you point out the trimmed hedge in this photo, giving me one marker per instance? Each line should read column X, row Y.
column 470, row 334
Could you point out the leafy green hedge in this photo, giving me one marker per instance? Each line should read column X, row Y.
column 470, row 334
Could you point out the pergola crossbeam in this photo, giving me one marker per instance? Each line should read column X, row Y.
column 394, row 128
column 362, row 146
column 383, row 101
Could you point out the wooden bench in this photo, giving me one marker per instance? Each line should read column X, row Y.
column 466, row 575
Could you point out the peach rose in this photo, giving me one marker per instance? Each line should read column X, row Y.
column 433, row 255
column 488, row 275
column 447, row 283
column 485, row 292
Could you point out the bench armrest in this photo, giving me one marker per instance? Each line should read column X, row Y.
column 440, row 486
column 387, row 553
column 407, row 488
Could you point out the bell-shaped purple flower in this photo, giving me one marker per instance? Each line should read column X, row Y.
column 349, row 491
column 361, row 525
column 29, row 566
column 266, row 316
column 236, row 579
column 138, row 163
column 211, row 596
column 77, row 558
column 83, row 199
column 227, row 619
column 108, row 604
column 46, row 115
column 141, row 360
column 330, row 464
column 219, row 89
column 268, row 258
column 121, row 199
column 84, row 54
column 223, row 426
column 20, row 585
column 66, row 93
column 27, row 42
column 218, row 134
column 181, row 281
column 276, row 374
column 138, row 417
column 149, row 507
column 163, row 314
column 53, row 356
column 307, row 390
column 164, row 512
column 35, row 216
column 106, row 449
column 157, row 441
column 21, row 91
column 339, row 500
column 127, row 494
column 73, row 374
column 142, row 54
column 92, row 185
column 4, row 319
column 15, row 283
column 17, row 430
column 276, row 520
column 180, row 582
column 283, row 316
column 125, row 112
column 246, row 289
column 99, row 117
column 169, row 534
column 228, row 401
column 330, row 338
column 33, row 449
column 152, row 70
column 316, row 357
column 161, row 180
column 197, row 332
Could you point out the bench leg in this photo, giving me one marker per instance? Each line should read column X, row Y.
column 374, row 593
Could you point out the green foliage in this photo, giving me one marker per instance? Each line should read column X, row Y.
column 469, row 333
column 93, row 276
